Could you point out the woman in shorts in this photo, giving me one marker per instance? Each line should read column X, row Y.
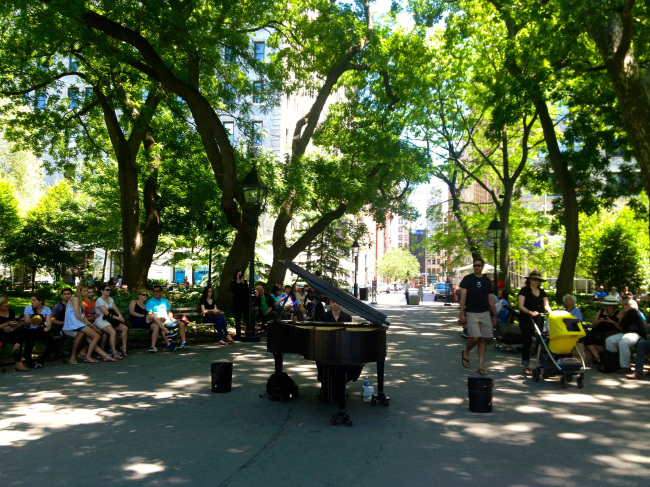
column 106, row 306
column 76, row 326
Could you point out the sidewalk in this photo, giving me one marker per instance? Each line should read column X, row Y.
column 153, row 420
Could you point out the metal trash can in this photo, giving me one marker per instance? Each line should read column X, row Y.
column 480, row 394
column 221, row 376
column 363, row 293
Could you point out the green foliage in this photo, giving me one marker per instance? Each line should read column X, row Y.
column 620, row 252
column 36, row 247
column 9, row 217
column 22, row 171
column 399, row 263
column 325, row 253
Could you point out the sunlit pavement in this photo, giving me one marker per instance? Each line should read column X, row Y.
column 153, row 420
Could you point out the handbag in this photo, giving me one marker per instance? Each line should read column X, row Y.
column 111, row 317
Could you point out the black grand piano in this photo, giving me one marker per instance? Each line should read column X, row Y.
column 339, row 349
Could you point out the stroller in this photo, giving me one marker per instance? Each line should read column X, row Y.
column 554, row 354
column 507, row 333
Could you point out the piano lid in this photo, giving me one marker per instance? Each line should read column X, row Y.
column 344, row 299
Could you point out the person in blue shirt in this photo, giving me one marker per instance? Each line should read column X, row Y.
column 570, row 302
column 600, row 294
column 163, row 310
column 38, row 324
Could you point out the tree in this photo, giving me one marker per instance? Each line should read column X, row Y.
column 619, row 31
column 35, row 247
column 399, row 263
column 9, row 217
column 620, row 260
column 549, row 65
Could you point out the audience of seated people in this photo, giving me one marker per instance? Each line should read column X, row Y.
column 73, row 316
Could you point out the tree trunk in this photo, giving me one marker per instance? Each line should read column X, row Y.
column 104, row 266
column 564, row 284
column 283, row 252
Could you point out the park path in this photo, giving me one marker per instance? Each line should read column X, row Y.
column 153, row 420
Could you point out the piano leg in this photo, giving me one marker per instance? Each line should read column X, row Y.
column 340, row 382
column 380, row 397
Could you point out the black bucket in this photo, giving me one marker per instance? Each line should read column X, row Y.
column 221, row 376
column 480, row 394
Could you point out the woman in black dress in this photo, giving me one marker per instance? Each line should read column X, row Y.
column 240, row 300
column 604, row 324
column 531, row 301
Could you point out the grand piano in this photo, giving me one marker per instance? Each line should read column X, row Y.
column 339, row 349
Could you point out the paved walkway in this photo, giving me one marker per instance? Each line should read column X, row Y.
column 153, row 420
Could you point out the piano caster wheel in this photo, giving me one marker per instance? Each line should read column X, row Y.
column 341, row 418
column 380, row 398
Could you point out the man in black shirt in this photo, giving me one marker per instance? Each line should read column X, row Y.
column 335, row 315
column 477, row 309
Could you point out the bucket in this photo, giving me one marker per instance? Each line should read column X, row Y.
column 221, row 376
column 480, row 394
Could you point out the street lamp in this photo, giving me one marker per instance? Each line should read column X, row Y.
column 209, row 227
column 494, row 234
column 253, row 194
column 355, row 254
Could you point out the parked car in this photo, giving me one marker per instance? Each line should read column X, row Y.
column 441, row 290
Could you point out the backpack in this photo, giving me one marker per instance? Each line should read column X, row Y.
column 281, row 387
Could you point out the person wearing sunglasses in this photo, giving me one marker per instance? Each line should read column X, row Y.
column 159, row 306
column 111, row 322
column 477, row 309
column 141, row 318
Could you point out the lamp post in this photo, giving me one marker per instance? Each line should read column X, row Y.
column 253, row 193
column 355, row 254
column 494, row 234
column 209, row 227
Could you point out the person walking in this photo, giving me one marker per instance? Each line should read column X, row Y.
column 478, row 311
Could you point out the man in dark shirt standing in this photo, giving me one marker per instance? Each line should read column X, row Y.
column 478, row 311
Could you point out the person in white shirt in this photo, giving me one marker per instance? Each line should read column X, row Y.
column 111, row 322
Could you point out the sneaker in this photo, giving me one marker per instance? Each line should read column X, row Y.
column 171, row 346
column 153, row 350
column 184, row 345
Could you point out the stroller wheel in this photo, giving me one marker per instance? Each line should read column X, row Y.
column 568, row 378
column 536, row 375
column 580, row 383
column 563, row 382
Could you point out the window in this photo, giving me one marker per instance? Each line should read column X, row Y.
column 73, row 64
column 401, row 220
column 88, row 93
column 229, row 55
column 259, row 51
column 73, row 96
column 257, row 133
column 230, row 128
column 400, row 229
column 257, row 92
column 399, row 237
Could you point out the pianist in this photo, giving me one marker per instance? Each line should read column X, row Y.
column 335, row 314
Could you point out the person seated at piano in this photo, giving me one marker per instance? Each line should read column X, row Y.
column 335, row 314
